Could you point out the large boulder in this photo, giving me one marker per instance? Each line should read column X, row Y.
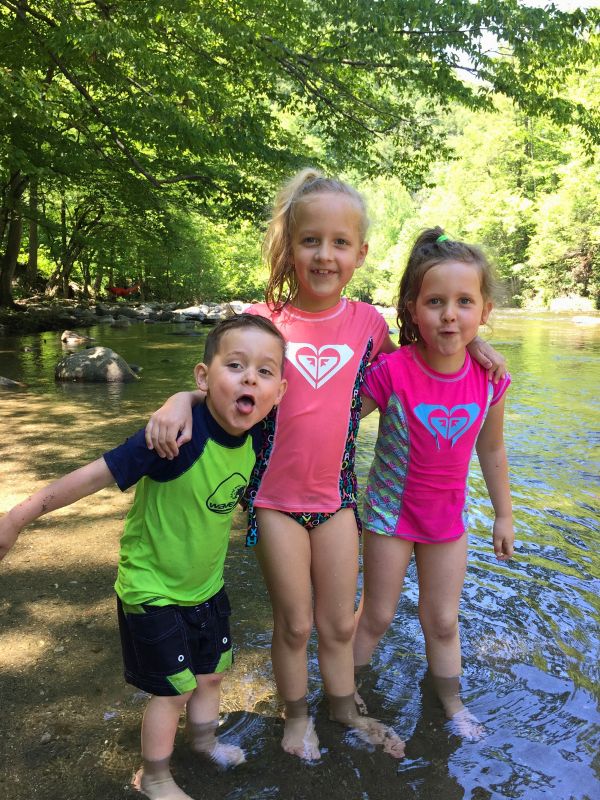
column 95, row 365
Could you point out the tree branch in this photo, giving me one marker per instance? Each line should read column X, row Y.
column 100, row 116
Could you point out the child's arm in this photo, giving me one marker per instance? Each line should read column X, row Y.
column 494, row 465
column 171, row 426
column 388, row 345
column 368, row 405
column 66, row 490
column 490, row 359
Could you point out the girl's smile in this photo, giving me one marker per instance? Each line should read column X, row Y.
column 448, row 312
column 327, row 247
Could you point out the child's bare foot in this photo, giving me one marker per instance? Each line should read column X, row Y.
column 300, row 738
column 374, row 732
column 343, row 709
column 158, row 787
column 466, row 725
column 225, row 755
column 204, row 741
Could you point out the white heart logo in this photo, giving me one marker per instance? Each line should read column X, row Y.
column 318, row 366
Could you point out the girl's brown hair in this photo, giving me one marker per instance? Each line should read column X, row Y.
column 433, row 247
column 283, row 284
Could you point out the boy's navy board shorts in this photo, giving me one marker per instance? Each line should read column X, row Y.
column 165, row 647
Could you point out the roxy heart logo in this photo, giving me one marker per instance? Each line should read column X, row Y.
column 444, row 423
column 318, row 365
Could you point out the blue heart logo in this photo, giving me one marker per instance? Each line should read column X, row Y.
column 444, row 423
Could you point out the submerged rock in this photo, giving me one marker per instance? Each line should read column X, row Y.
column 8, row 383
column 121, row 322
column 95, row 365
column 75, row 338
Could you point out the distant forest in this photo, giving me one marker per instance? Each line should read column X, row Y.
column 141, row 143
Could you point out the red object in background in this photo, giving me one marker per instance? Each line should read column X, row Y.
column 119, row 291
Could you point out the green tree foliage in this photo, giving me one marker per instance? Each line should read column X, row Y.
column 390, row 207
column 564, row 252
column 525, row 189
column 129, row 110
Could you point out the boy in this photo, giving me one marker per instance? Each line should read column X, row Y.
column 172, row 606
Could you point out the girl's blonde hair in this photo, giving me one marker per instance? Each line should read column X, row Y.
column 283, row 284
column 433, row 247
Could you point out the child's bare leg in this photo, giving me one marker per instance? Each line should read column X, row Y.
column 334, row 571
column 159, row 727
column 284, row 555
column 203, row 721
column 360, row 673
column 385, row 561
column 441, row 569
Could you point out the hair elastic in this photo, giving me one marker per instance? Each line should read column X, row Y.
column 443, row 238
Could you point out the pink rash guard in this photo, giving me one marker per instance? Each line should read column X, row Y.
column 312, row 449
column 417, row 486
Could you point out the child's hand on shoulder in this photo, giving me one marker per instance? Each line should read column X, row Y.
column 490, row 359
column 504, row 538
column 8, row 534
column 171, row 426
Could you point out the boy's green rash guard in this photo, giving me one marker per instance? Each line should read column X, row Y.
column 174, row 544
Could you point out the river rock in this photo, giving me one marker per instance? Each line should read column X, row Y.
column 103, row 310
column 72, row 338
column 85, row 317
column 193, row 312
column 163, row 315
column 96, row 365
column 127, row 311
column 8, row 383
column 238, row 307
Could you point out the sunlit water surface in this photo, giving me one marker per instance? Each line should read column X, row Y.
column 529, row 627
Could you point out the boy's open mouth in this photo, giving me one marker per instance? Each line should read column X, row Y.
column 245, row 404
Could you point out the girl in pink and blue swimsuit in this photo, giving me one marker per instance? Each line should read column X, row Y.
column 437, row 405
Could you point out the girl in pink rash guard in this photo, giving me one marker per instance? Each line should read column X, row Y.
column 302, row 498
column 437, row 405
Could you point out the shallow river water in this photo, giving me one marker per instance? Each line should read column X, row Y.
column 530, row 627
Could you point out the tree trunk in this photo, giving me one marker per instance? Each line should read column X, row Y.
column 86, row 273
column 9, row 259
column 11, row 229
column 56, row 281
column 98, row 280
column 32, row 255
